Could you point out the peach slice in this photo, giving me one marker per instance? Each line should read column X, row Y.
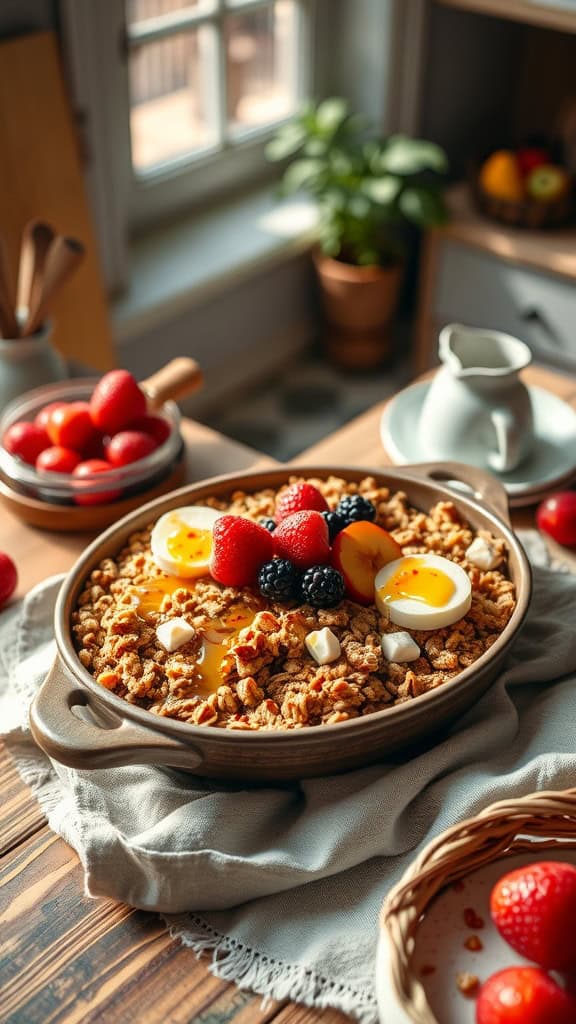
column 360, row 550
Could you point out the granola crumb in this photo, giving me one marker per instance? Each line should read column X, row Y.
column 467, row 983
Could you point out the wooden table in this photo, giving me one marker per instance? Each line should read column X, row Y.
column 66, row 958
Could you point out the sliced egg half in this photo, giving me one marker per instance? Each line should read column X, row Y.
column 181, row 540
column 423, row 592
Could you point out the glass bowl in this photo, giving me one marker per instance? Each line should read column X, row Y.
column 64, row 488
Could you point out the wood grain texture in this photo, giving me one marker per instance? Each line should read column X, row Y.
column 41, row 177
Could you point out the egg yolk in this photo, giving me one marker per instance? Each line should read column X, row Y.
column 187, row 545
column 148, row 596
column 418, row 581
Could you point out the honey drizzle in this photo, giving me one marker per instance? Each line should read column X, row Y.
column 223, row 631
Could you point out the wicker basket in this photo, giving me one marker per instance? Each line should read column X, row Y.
column 525, row 213
column 502, row 830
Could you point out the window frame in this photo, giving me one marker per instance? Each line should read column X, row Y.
column 93, row 38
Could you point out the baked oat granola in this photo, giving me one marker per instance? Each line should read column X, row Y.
column 246, row 665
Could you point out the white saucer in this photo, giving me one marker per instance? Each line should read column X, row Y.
column 550, row 465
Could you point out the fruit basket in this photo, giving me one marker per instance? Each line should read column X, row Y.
column 536, row 198
column 422, row 938
column 63, row 501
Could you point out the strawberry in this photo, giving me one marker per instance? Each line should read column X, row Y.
column 239, row 549
column 25, row 440
column 69, row 425
column 57, row 460
column 303, row 539
column 297, row 498
column 156, row 426
column 534, row 909
column 524, row 995
column 86, row 471
column 8, row 578
column 129, row 446
column 116, row 402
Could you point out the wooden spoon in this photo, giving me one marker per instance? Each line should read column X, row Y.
column 8, row 322
column 37, row 238
column 64, row 256
column 181, row 376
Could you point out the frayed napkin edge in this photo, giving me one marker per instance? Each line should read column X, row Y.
column 270, row 978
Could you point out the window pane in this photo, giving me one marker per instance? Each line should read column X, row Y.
column 261, row 65
column 138, row 11
column 173, row 97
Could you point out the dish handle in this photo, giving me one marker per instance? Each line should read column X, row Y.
column 73, row 728
column 485, row 487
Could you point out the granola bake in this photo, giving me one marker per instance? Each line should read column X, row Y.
column 244, row 660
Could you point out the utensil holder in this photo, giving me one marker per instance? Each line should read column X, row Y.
column 26, row 363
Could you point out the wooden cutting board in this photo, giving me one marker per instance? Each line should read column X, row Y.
column 41, row 176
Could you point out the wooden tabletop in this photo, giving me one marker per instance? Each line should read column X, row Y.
column 68, row 959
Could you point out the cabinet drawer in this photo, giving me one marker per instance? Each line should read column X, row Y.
column 476, row 288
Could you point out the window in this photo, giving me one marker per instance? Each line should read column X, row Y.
column 206, row 76
column 177, row 98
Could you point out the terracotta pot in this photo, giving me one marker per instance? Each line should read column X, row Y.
column 114, row 732
column 358, row 298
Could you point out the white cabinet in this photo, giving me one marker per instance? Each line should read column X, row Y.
column 477, row 288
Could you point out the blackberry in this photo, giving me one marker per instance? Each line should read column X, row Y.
column 268, row 524
column 334, row 522
column 322, row 586
column 279, row 580
column 353, row 507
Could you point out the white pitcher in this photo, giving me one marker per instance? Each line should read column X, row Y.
column 477, row 409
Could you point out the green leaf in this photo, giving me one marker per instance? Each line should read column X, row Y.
column 382, row 190
column 422, row 206
column 286, row 142
column 359, row 207
column 403, row 155
column 301, row 173
column 330, row 114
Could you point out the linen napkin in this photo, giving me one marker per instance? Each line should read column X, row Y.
column 284, row 885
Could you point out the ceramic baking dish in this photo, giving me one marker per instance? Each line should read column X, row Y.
column 80, row 724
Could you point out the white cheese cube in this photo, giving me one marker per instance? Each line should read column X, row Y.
column 482, row 554
column 399, row 647
column 174, row 633
column 323, row 645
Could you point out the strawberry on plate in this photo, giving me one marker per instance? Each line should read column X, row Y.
column 239, row 548
column 298, row 498
column 303, row 539
column 524, row 995
column 534, row 909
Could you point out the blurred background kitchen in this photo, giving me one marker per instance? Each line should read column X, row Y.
column 141, row 127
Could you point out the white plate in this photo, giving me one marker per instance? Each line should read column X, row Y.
column 440, row 944
column 551, row 464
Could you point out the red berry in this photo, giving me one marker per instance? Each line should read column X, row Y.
column 70, row 425
column 156, row 426
column 116, row 402
column 534, row 909
column 95, row 448
column 524, row 995
column 297, row 498
column 41, row 418
column 303, row 539
column 239, row 549
column 557, row 517
column 8, row 578
column 25, row 440
column 85, row 471
column 57, row 460
column 129, row 446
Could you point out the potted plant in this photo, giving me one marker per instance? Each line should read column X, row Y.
column 367, row 190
